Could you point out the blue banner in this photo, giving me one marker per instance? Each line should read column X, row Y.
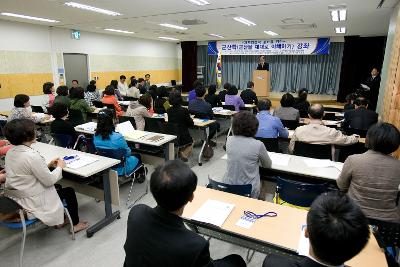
column 304, row 46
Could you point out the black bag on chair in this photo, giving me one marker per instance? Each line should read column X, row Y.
column 208, row 152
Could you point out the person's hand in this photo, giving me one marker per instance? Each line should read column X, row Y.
column 53, row 163
column 2, row 176
column 46, row 117
column 61, row 163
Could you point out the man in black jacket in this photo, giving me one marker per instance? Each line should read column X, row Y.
column 157, row 237
column 262, row 65
column 337, row 230
column 248, row 95
column 372, row 87
column 360, row 118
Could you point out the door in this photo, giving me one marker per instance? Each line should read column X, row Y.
column 76, row 68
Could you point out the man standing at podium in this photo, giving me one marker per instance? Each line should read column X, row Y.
column 262, row 65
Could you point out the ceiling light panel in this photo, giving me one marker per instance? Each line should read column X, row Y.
column 340, row 29
column 92, row 8
column 173, row 26
column 271, row 33
column 244, row 21
column 216, row 35
column 198, row 2
column 28, row 17
column 120, row 31
column 168, row 38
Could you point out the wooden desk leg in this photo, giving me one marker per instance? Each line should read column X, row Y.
column 206, row 131
column 169, row 151
column 110, row 215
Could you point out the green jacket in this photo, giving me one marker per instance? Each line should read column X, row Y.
column 81, row 104
column 62, row 99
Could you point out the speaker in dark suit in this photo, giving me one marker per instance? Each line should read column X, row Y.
column 157, row 236
column 262, row 65
column 373, row 83
column 359, row 118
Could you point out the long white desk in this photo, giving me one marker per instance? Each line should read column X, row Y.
column 103, row 164
column 296, row 165
column 148, row 138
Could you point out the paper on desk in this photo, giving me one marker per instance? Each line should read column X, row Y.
column 318, row 163
column 279, row 159
column 80, row 161
column 304, row 244
column 124, row 128
column 89, row 126
column 214, row 212
column 196, row 120
column 135, row 134
column 39, row 116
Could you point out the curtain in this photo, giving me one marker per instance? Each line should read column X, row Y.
column 189, row 64
column 318, row 73
column 209, row 63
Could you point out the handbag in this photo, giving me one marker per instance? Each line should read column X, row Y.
column 208, row 152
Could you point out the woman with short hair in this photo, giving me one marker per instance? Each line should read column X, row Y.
column 92, row 94
column 47, row 100
column 22, row 110
column 139, row 110
column 372, row 179
column 232, row 98
column 245, row 154
column 110, row 98
column 31, row 181
column 286, row 111
column 62, row 95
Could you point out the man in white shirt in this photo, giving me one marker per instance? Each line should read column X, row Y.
column 122, row 85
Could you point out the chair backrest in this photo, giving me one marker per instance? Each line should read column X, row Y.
column 37, row 109
column 387, row 233
column 8, row 206
column 173, row 82
column 130, row 98
column 290, row 124
column 185, row 103
column 298, row 193
column 312, row 150
column 97, row 103
column 153, row 124
column 118, row 153
column 62, row 140
column 346, row 151
column 271, row 144
column 229, row 107
column 128, row 118
column 330, row 116
column 75, row 117
column 242, row 190
column 110, row 106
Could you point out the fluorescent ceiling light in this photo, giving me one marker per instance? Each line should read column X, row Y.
column 198, row 2
column 168, row 38
column 94, row 9
column 173, row 26
column 216, row 35
column 338, row 15
column 121, row 31
column 271, row 33
column 28, row 17
column 340, row 29
column 244, row 21
column 342, row 14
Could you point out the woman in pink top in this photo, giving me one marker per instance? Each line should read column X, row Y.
column 48, row 97
column 232, row 98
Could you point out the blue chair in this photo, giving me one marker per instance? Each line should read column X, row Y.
column 9, row 207
column 66, row 141
column 139, row 172
column 241, row 190
column 298, row 193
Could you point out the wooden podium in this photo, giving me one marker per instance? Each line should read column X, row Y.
column 262, row 85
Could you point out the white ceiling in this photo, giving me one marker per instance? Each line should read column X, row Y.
column 143, row 17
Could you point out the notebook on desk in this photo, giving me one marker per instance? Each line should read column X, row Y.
column 90, row 126
column 213, row 212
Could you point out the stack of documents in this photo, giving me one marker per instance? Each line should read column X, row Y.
column 323, row 163
column 124, row 128
column 213, row 212
column 279, row 159
column 78, row 161
column 89, row 127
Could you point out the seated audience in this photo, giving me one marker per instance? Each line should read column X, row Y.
column 317, row 133
column 110, row 98
column 118, row 95
column 181, row 116
column 47, row 100
column 22, row 110
column 132, row 78
column 75, row 83
column 337, row 231
column 139, row 110
column 122, row 85
column 233, row 99
column 4, row 147
column 92, row 94
column 141, row 86
column 349, row 102
column 360, row 118
column 286, row 111
column 160, row 103
column 78, row 102
column 372, row 179
column 248, row 95
column 157, row 236
column 106, row 137
column 133, row 91
column 245, row 154
column 192, row 93
column 62, row 96
column 301, row 103
column 147, row 81
column 202, row 109
column 153, row 91
column 61, row 125
column 31, row 182
column 211, row 97
column 223, row 92
column 269, row 126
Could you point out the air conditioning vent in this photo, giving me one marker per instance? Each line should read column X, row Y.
column 292, row 21
column 191, row 22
